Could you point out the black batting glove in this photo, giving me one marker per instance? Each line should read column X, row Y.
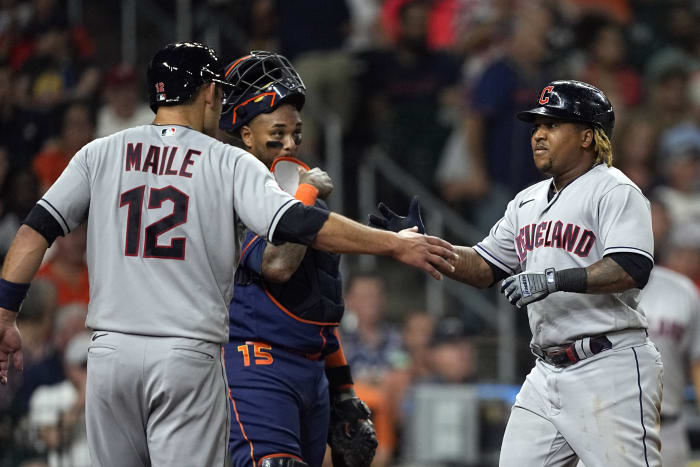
column 529, row 287
column 395, row 223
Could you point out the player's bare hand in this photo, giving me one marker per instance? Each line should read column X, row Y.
column 432, row 254
column 319, row 179
column 10, row 343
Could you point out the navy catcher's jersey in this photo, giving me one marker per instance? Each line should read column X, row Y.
column 599, row 213
column 300, row 314
column 162, row 244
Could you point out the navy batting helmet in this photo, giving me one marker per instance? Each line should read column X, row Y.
column 259, row 82
column 573, row 101
column 178, row 70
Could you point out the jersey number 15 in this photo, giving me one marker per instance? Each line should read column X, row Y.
column 134, row 200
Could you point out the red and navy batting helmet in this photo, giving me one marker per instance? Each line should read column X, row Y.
column 260, row 82
column 178, row 70
column 573, row 101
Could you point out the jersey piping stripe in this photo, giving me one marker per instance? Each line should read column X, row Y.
column 67, row 229
column 238, row 419
column 228, row 391
column 499, row 263
column 246, row 247
column 275, row 219
column 641, row 408
column 281, row 307
column 627, row 248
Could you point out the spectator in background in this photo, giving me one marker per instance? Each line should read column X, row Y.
column 679, row 149
column 497, row 144
column 77, row 130
column 123, row 106
column 18, row 132
column 684, row 251
column 313, row 34
column 58, row 411
column 18, row 194
column 604, row 64
column 409, row 92
column 54, row 74
column 373, row 349
column 635, row 151
column 67, row 268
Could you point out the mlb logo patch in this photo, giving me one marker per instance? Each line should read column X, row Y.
column 161, row 97
column 167, row 131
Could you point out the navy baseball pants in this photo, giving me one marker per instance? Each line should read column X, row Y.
column 279, row 404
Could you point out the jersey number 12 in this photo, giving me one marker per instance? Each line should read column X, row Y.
column 134, row 200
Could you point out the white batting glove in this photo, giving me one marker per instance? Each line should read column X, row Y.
column 528, row 287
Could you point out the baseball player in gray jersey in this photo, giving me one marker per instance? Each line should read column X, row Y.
column 575, row 250
column 163, row 201
column 672, row 306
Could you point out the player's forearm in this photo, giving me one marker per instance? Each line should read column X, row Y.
column 471, row 268
column 281, row 261
column 25, row 256
column 342, row 235
column 606, row 276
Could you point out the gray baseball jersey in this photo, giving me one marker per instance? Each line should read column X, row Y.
column 162, row 244
column 599, row 213
column 672, row 305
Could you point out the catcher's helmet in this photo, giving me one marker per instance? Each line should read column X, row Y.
column 573, row 101
column 178, row 70
column 259, row 82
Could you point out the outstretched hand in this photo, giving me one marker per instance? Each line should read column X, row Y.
column 10, row 343
column 432, row 254
column 394, row 222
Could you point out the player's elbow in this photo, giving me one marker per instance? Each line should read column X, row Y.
column 277, row 273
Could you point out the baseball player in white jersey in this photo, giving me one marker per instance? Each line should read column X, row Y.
column 672, row 306
column 576, row 249
column 161, row 203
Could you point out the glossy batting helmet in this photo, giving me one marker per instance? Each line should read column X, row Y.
column 178, row 70
column 573, row 101
column 259, row 83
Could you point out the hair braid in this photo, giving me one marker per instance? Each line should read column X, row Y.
column 603, row 148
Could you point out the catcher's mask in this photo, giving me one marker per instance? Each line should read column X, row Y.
column 260, row 82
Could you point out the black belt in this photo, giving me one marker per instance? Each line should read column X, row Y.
column 574, row 352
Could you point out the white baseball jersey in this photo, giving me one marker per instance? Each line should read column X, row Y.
column 672, row 306
column 599, row 213
column 162, row 245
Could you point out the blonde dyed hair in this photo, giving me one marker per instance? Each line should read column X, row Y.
column 602, row 147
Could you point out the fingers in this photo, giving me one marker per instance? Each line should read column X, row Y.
column 506, row 282
column 414, row 207
column 386, row 212
column 376, row 221
column 4, row 364
column 19, row 360
column 432, row 271
column 440, row 242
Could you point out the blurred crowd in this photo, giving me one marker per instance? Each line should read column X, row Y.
column 434, row 84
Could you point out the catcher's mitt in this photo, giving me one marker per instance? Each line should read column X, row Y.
column 351, row 434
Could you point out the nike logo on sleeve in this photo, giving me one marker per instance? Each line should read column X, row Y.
column 522, row 203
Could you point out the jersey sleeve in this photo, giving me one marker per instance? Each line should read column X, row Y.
column 252, row 253
column 68, row 198
column 498, row 248
column 625, row 222
column 258, row 199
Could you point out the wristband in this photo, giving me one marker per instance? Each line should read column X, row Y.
column 12, row 294
column 572, row 280
column 339, row 377
column 307, row 194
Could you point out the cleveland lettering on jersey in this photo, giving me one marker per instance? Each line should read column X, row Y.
column 553, row 234
column 158, row 160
